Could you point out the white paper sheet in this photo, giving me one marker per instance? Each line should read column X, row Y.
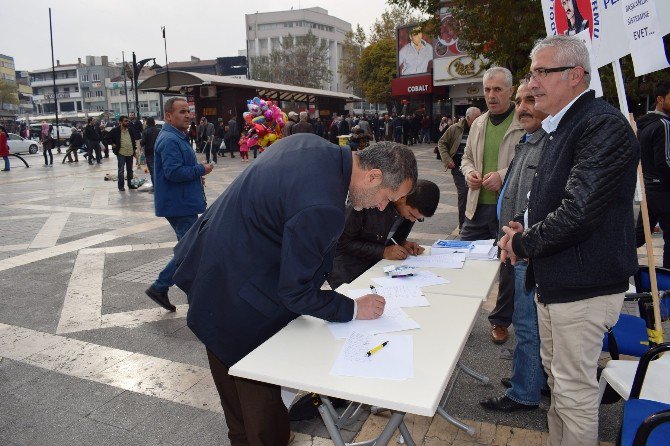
column 447, row 260
column 393, row 319
column 404, row 296
column 394, row 361
column 421, row 279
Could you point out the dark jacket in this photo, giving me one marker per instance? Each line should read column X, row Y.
column 654, row 136
column 136, row 128
column 302, row 127
column 76, row 140
column 148, row 140
column 114, row 137
column 580, row 238
column 91, row 136
column 520, row 176
column 177, row 175
column 246, row 283
column 361, row 245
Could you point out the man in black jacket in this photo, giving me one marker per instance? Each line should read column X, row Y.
column 147, row 142
column 654, row 136
column 92, row 140
column 371, row 235
column 579, row 237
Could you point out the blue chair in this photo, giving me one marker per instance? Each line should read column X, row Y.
column 646, row 422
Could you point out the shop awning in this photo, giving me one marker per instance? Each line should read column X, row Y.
column 180, row 81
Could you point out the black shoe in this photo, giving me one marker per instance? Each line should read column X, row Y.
column 161, row 298
column 122, row 189
column 90, row 163
column 504, row 404
column 507, row 382
column 132, row 187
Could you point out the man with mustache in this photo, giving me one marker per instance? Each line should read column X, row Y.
column 488, row 152
column 527, row 376
column 577, row 232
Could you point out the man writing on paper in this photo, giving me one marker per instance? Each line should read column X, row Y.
column 579, row 237
column 282, row 225
column 527, row 380
column 371, row 235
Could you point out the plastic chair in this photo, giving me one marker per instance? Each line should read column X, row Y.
column 647, row 421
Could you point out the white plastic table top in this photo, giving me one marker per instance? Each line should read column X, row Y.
column 473, row 280
column 301, row 355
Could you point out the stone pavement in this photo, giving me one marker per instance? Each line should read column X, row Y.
column 87, row 358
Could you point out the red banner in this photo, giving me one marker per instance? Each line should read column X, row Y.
column 413, row 85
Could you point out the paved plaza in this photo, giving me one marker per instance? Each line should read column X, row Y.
column 87, row 358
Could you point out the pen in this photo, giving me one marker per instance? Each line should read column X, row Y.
column 373, row 289
column 393, row 240
column 377, row 348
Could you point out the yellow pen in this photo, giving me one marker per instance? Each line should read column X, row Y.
column 377, row 348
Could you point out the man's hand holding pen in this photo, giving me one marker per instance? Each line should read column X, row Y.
column 370, row 306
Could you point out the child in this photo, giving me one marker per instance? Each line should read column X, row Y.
column 244, row 149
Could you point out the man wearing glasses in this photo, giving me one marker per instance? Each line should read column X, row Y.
column 577, row 232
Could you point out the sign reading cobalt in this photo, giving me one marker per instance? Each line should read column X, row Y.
column 412, row 85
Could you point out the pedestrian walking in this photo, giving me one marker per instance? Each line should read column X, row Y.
column 47, row 144
column 123, row 146
column 4, row 148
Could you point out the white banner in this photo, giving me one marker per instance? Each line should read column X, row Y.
column 643, row 31
column 595, row 85
column 603, row 18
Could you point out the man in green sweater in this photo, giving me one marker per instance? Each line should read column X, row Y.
column 488, row 152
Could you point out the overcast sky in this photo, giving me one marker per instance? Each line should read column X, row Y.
column 201, row 28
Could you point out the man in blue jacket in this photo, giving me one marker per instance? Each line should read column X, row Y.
column 283, row 217
column 178, row 191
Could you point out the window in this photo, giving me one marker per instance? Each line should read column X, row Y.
column 251, row 44
column 89, row 94
column 263, row 44
column 99, row 93
column 66, row 89
column 84, row 77
column 96, row 76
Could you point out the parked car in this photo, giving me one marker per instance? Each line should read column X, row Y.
column 64, row 131
column 18, row 144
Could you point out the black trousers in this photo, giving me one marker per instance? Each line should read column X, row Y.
column 462, row 189
column 658, row 205
column 93, row 146
column 502, row 313
column 255, row 413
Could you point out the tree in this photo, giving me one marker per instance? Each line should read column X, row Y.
column 377, row 69
column 354, row 43
column 9, row 93
column 300, row 60
column 400, row 14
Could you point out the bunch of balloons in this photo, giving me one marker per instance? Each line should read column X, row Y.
column 264, row 121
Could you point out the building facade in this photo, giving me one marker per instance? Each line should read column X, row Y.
column 265, row 31
column 80, row 87
column 150, row 103
column 8, row 74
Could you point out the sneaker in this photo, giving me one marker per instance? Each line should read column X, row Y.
column 161, row 298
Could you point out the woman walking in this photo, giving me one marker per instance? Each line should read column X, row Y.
column 47, row 144
column 4, row 148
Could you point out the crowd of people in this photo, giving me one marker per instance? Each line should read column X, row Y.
column 548, row 170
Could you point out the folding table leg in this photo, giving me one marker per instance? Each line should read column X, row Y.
column 447, row 394
column 396, row 422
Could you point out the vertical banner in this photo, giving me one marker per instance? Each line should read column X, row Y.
column 641, row 25
column 578, row 18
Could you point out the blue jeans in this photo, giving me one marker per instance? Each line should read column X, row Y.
column 6, row 158
column 181, row 225
column 527, row 374
column 127, row 162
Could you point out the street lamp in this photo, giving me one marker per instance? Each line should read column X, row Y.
column 137, row 67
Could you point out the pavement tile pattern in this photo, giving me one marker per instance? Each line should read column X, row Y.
column 86, row 358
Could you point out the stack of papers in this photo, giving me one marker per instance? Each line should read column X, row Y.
column 420, row 279
column 448, row 246
column 393, row 319
column 453, row 260
column 398, row 296
column 484, row 250
column 394, row 361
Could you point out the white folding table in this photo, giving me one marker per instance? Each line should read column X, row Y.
column 301, row 355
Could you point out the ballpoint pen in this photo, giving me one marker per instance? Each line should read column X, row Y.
column 373, row 290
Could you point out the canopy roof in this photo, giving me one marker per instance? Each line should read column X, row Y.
column 267, row 90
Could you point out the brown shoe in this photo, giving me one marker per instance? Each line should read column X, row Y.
column 499, row 334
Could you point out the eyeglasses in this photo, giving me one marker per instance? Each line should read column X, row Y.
column 541, row 73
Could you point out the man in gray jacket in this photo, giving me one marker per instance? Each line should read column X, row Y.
column 527, row 376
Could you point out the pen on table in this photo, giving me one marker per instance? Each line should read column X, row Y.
column 373, row 289
column 377, row 348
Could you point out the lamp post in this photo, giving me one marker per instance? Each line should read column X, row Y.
column 137, row 67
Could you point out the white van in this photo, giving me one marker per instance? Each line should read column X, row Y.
column 64, row 132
